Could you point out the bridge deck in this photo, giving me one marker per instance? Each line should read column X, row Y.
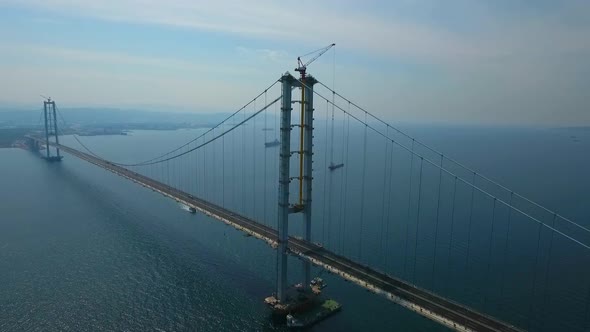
column 427, row 304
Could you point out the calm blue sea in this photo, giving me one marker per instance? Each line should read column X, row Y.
column 84, row 250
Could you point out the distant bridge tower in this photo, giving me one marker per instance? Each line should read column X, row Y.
column 51, row 130
column 305, row 179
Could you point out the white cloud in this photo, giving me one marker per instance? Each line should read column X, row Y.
column 319, row 23
column 527, row 63
column 107, row 57
column 264, row 54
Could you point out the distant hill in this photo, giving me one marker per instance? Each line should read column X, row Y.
column 14, row 117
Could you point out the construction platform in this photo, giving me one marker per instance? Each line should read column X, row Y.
column 318, row 312
column 297, row 299
column 303, row 306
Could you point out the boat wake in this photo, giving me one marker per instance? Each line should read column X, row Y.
column 187, row 208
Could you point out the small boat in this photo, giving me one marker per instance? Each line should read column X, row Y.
column 335, row 166
column 271, row 144
column 293, row 322
column 192, row 209
column 318, row 282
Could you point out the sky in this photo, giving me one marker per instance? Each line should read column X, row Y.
column 457, row 61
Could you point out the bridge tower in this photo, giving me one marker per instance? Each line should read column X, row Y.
column 51, row 130
column 305, row 152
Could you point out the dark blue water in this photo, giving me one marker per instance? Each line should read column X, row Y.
column 83, row 250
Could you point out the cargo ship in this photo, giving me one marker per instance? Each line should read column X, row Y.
column 271, row 144
column 335, row 166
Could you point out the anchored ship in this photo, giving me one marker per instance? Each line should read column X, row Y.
column 335, row 166
column 271, row 144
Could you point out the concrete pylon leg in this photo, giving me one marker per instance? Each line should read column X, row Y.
column 283, row 226
column 307, row 85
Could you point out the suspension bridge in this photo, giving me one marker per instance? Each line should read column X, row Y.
column 390, row 213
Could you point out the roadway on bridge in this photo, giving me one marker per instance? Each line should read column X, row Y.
column 421, row 301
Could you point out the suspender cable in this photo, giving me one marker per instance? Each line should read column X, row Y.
column 385, row 164
column 533, row 285
column 330, row 197
column 388, row 205
column 330, row 205
column 341, row 216
column 409, row 205
column 469, row 227
column 264, row 166
column 214, row 170
column 195, row 172
column 223, row 171
column 204, row 166
column 418, row 218
column 437, row 219
column 236, row 175
column 189, row 170
column 549, row 263
column 490, row 252
column 326, row 193
column 180, row 173
column 345, row 185
column 198, row 183
column 363, row 191
column 244, row 165
column 254, row 157
column 276, row 122
column 451, row 232
column 276, row 164
column 505, row 250
column 332, row 134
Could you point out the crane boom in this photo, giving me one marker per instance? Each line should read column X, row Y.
column 302, row 67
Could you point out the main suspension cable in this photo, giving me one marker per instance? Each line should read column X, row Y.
column 246, row 119
column 520, row 211
column 461, row 165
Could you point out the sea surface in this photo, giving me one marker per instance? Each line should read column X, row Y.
column 82, row 249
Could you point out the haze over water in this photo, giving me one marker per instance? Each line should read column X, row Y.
column 82, row 249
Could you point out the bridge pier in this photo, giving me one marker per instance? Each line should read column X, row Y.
column 32, row 144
